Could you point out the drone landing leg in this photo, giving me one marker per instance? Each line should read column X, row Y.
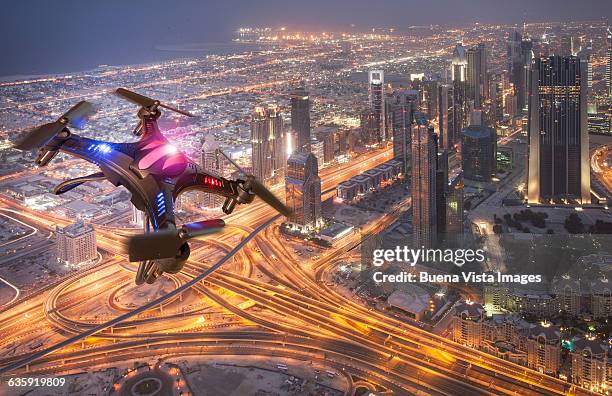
column 147, row 270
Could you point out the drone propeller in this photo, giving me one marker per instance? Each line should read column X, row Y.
column 254, row 186
column 166, row 243
column 38, row 137
column 147, row 102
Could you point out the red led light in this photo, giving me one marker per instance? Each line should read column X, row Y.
column 212, row 181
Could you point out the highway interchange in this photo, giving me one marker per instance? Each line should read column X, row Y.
column 298, row 314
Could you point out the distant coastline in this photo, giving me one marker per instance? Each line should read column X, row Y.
column 159, row 53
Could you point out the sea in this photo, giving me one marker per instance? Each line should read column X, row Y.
column 158, row 53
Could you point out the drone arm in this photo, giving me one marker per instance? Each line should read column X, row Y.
column 199, row 180
column 72, row 183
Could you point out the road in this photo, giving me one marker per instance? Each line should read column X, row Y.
column 297, row 314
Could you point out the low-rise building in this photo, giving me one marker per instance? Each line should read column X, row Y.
column 601, row 298
column 468, row 324
column 589, row 363
column 544, row 348
column 414, row 301
column 76, row 243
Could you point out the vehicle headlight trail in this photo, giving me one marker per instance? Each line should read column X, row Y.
column 121, row 318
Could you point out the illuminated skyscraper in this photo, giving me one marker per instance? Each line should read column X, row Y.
column 369, row 125
column 268, row 143
column 449, row 198
column 558, row 135
column 459, row 63
column 460, row 108
column 441, row 182
column 303, row 191
column 401, row 106
column 514, row 49
column 376, row 91
column 423, row 172
column 454, row 206
column 477, row 78
column 521, row 55
column 300, row 119
column 586, row 54
column 446, row 116
column 478, row 152
column 430, row 98
column 609, row 63
column 317, row 148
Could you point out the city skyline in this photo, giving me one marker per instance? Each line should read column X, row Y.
column 113, row 34
column 313, row 212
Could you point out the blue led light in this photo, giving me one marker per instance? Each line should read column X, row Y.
column 102, row 148
column 161, row 204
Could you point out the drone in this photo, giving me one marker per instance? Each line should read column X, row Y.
column 155, row 172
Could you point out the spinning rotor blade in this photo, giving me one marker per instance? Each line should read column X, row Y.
column 166, row 243
column 266, row 195
column 144, row 101
column 38, row 137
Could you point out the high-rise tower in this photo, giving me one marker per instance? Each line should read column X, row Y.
column 459, row 77
column 558, row 135
column 300, row 119
column 477, row 78
column 478, row 150
column 446, row 116
column 401, row 106
column 376, row 91
column 423, row 183
column 303, row 190
column 268, row 143
column 520, row 57
column 609, row 63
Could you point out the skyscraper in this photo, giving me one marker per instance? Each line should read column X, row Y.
column 558, row 135
column 423, row 183
column 454, row 206
column 477, row 78
column 300, row 119
column 586, row 54
column 401, row 106
column 376, row 91
column 317, row 148
column 268, row 143
column 430, row 98
column 521, row 55
column 514, row 49
column 478, row 152
column 369, row 125
column 441, row 181
column 460, row 109
column 446, row 117
column 609, row 63
column 303, row 191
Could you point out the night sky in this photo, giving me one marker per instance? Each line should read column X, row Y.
column 69, row 35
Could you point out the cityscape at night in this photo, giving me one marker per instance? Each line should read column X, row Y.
column 392, row 198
